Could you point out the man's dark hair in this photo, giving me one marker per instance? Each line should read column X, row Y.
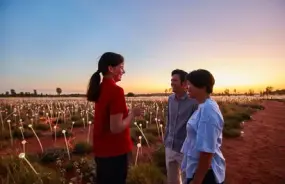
column 202, row 78
column 181, row 73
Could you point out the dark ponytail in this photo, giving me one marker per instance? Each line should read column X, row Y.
column 93, row 90
column 106, row 60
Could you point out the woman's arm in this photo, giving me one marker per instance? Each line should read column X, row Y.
column 203, row 167
column 208, row 133
column 117, row 124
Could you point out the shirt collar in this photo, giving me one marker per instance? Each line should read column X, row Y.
column 108, row 80
column 185, row 96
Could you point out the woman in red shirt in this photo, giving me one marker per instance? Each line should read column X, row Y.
column 111, row 140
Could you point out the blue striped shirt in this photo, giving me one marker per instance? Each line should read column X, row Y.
column 204, row 134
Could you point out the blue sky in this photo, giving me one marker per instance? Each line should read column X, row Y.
column 57, row 43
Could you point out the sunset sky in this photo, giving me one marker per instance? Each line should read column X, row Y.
column 57, row 43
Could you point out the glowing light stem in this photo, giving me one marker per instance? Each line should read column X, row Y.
column 142, row 134
column 54, row 133
column 140, row 138
column 161, row 128
column 89, row 130
column 137, row 155
column 1, row 118
column 67, row 148
column 49, row 122
column 39, row 141
column 24, row 145
column 72, row 126
column 21, row 130
column 31, row 166
column 11, row 135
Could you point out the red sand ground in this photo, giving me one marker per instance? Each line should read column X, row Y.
column 256, row 158
column 259, row 156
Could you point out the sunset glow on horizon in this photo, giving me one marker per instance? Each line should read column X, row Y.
column 44, row 45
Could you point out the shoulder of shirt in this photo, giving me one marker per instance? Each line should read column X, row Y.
column 192, row 100
column 172, row 96
column 210, row 107
column 117, row 89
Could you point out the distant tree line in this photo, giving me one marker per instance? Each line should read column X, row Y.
column 13, row 93
column 267, row 91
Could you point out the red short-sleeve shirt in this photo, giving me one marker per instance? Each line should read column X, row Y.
column 111, row 101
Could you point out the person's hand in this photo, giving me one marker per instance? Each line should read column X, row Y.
column 137, row 111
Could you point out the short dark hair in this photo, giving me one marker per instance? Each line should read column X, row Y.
column 202, row 78
column 181, row 73
column 106, row 60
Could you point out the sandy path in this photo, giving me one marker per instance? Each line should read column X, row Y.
column 259, row 156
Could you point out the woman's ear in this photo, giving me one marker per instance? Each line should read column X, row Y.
column 110, row 69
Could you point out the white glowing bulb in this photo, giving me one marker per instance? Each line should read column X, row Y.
column 30, row 125
column 24, row 142
column 54, row 127
column 139, row 145
column 140, row 137
column 73, row 122
column 135, row 123
column 140, row 125
column 63, row 131
column 161, row 125
column 22, row 155
column 20, row 127
column 90, row 122
column 8, row 121
column 146, row 122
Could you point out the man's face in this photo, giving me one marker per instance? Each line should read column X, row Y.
column 176, row 84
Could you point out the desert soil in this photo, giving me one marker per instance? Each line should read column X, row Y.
column 258, row 157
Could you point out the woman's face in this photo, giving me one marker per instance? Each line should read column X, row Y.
column 117, row 72
column 193, row 91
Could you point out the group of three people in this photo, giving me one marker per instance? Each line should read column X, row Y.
column 193, row 134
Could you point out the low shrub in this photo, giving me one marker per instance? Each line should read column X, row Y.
column 42, row 126
column 75, row 118
column 231, row 133
column 150, row 138
column 82, row 148
column 145, row 174
column 52, row 154
column 152, row 129
column 159, row 159
column 79, row 124
column 15, row 170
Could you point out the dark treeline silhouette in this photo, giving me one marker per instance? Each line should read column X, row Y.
column 267, row 91
column 58, row 90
